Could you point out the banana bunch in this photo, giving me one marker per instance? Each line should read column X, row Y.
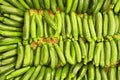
column 59, row 40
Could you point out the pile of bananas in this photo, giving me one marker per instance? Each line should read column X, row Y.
column 59, row 40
